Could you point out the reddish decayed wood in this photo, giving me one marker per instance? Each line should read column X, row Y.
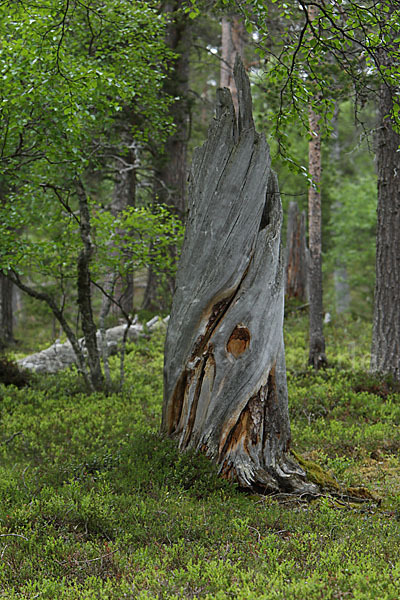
column 239, row 340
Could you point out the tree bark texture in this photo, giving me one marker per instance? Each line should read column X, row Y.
column 385, row 351
column 225, row 390
column 232, row 44
column 296, row 255
column 6, row 312
column 316, row 357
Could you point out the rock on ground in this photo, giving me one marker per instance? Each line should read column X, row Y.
column 61, row 355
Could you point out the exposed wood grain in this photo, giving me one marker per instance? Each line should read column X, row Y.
column 225, row 379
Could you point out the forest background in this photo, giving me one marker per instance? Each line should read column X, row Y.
column 90, row 120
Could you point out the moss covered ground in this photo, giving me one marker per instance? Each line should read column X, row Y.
column 95, row 505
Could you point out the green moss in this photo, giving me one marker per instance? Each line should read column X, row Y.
column 316, row 473
column 362, row 493
column 327, row 483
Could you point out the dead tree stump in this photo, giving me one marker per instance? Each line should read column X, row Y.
column 225, row 391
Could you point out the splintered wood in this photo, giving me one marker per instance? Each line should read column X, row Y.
column 225, row 390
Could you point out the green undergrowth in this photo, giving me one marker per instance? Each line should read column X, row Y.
column 94, row 504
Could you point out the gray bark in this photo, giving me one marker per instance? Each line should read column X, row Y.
column 296, row 283
column 84, row 292
column 316, row 355
column 225, row 390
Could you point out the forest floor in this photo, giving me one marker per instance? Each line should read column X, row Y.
column 95, row 505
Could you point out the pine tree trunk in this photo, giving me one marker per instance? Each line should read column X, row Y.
column 316, row 356
column 385, row 351
column 296, row 284
column 340, row 274
column 225, row 388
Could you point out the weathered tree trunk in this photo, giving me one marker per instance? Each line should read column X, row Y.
column 385, row 351
column 232, row 44
column 225, row 381
column 296, row 284
column 170, row 165
column 316, row 356
column 6, row 312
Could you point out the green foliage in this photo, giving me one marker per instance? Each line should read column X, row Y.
column 147, row 235
column 71, row 74
column 95, row 504
column 67, row 73
column 67, row 70
column 353, row 224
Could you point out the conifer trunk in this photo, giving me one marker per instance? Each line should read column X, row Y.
column 124, row 195
column 296, row 284
column 316, row 356
column 385, row 351
column 170, row 165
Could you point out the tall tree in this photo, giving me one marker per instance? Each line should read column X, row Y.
column 123, row 198
column 385, row 350
column 340, row 274
column 316, row 356
column 296, row 283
